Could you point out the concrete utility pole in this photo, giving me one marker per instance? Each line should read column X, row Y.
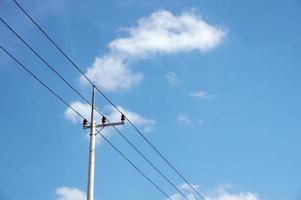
column 90, row 190
column 92, row 127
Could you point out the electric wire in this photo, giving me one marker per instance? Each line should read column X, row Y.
column 149, row 162
column 40, row 81
column 98, row 131
column 52, row 41
column 143, row 174
column 119, row 132
column 43, row 60
column 102, row 93
column 60, row 98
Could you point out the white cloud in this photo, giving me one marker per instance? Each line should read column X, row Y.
column 184, row 119
column 110, row 112
column 199, row 94
column 160, row 33
column 111, row 73
column 83, row 109
column 66, row 193
column 172, row 78
column 163, row 32
column 219, row 193
column 223, row 193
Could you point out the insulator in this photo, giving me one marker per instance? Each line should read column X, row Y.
column 122, row 117
column 85, row 123
column 104, row 120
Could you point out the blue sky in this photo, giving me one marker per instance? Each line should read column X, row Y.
column 224, row 109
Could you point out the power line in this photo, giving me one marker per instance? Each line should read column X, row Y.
column 132, row 124
column 40, row 81
column 161, row 155
column 149, row 162
column 60, row 98
column 43, row 60
column 52, row 41
column 143, row 174
column 119, row 132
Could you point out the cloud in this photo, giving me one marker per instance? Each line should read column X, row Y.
column 219, row 193
column 223, row 193
column 163, row 32
column 111, row 73
column 199, row 94
column 172, row 78
column 83, row 109
column 66, row 193
column 184, row 119
column 110, row 112
column 160, row 33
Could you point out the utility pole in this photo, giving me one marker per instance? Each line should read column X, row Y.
column 90, row 190
column 93, row 125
